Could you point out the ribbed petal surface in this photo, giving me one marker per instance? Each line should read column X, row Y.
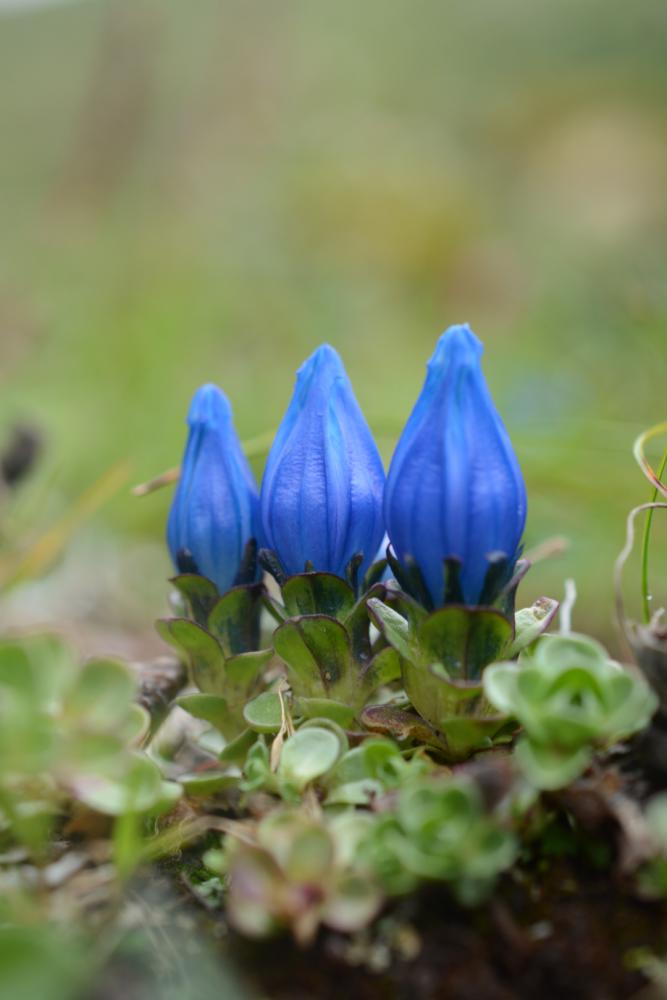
column 454, row 487
column 321, row 495
column 215, row 507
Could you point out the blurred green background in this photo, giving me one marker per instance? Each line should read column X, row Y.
column 205, row 190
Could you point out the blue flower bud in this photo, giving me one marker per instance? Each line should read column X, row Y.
column 454, row 487
column 214, row 510
column 321, row 497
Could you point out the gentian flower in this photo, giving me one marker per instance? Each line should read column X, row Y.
column 214, row 510
column 454, row 487
column 321, row 497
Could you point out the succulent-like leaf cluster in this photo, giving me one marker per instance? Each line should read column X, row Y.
column 570, row 698
column 443, row 655
column 299, row 871
column 219, row 642
column 440, row 830
column 70, row 731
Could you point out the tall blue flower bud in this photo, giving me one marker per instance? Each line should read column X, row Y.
column 215, row 507
column 454, row 487
column 321, row 497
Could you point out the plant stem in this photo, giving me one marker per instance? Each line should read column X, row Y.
column 645, row 541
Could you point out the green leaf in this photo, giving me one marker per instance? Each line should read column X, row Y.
column 243, row 675
column 102, row 695
column 325, row 708
column 355, row 793
column 463, row 732
column 275, row 608
column 209, row 707
column 326, row 723
column 352, row 903
column 137, row 791
column 199, row 649
column 234, row 619
column 400, row 725
column 393, row 627
column 465, row 640
column 384, row 668
column 549, row 768
column 530, row 623
column 236, row 751
column 317, row 652
column 263, row 713
column 207, row 783
column 307, row 755
column 200, row 595
column 350, row 768
column 358, row 622
column 317, row 594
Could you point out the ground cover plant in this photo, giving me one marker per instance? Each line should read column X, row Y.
column 362, row 750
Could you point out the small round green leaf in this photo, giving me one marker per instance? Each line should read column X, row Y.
column 307, row 755
column 263, row 713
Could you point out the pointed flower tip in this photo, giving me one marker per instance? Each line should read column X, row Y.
column 459, row 344
column 325, row 357
column 209, row 406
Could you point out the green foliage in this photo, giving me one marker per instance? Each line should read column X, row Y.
column 219, row 643
column 439, row 830
column 324, row 641
column 299, row 871
column 570, row 698
column 442, row 657
column 68, row 731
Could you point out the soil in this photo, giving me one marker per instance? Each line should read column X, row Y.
column 577, row 940
column 566, row 923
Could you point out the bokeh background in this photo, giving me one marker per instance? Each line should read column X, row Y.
column 205, row 190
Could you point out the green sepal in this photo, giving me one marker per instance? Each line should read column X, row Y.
column 234, row 619
column 465, row 639
column 236, row 750
column 358, row 622
column 373, row 575
column 497, row 574
column 317, row 594
column 199, row 649
column 506, row 600
column 352, row 571
column 200, row 595
column 247, row 571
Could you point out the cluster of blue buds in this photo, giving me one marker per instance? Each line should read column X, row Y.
column 454, row 490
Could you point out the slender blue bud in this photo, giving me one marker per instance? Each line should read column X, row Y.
column 321, row 497
column 454, row 488
column 214, row 510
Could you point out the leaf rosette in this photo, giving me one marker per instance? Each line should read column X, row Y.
column 570, row 698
